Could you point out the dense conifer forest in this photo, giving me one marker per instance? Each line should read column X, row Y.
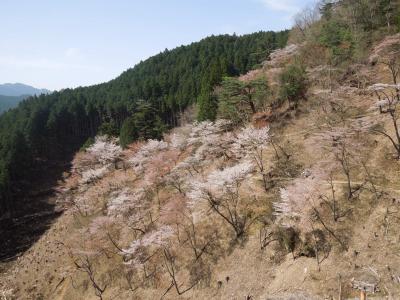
column 149, row 97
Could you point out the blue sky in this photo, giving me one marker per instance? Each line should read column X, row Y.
column 57, row 44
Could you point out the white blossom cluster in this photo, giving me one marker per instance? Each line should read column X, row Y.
column 215, row 145
column 204, row 129
column 104, row 152
column 251, row 139
column 123, row 202
column 279, row 55
column 99, row 224
column 377, row 87
column 91, row 175
column 157, row 237
column 348, row 135
column 388, row 95
column 145, row 154
column 189, row 166
column 178, row 141
column 228, row 178
column 180, row 163
column 220, row 182
column 105, row 149
column 297, row 199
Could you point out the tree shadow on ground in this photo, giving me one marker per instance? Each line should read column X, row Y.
column 34, row 212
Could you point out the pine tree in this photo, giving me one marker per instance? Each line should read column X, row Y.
column 293, row 84
column 240, row 99
column 128, row 132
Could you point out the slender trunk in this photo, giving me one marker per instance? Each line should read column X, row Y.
column 396, row 129
column 265, row 182
column 252, row 106
column 349, row 186
column 329, row 230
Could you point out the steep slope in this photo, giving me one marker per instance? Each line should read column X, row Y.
column 189, row 217
column 300, row 203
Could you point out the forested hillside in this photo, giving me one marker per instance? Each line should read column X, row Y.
column 7, row 102
column 149, row 96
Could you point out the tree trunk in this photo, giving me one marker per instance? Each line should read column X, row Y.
column 363, row 295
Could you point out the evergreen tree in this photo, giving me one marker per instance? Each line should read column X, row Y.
column 128, row 133
column 238, row 100
column 147, row 123
column 293, row 84
column 109, row 128
column 207, row 106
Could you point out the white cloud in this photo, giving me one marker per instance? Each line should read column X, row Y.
column 287, row 6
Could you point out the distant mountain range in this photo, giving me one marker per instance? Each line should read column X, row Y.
column 7, row 102
column 12, row 93
column 19, row 89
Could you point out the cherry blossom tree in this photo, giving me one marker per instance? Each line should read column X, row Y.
column 155, row 239
column 211, row 139
column 344, row 146
column 102, row 235
column 91, row 175
column 170, row 266
column 105, row 150
column 393, row 64
column 388, row 101
column 215, row 146
column 306, row 18
column 299, row 203
column 177, row 180
column 86, row 265
column 99, row 159
column 220, row 193
column 125, row 202
column 192, row 165
column 206, row 128
column 251, row 142
column 332, row 202
column 146, row 153
column 173, row 212
column 198, row 243
column 178, row 141
column 158, row 169
column 296, row 200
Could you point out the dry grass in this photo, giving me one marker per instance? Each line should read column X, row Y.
column 235, row 270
